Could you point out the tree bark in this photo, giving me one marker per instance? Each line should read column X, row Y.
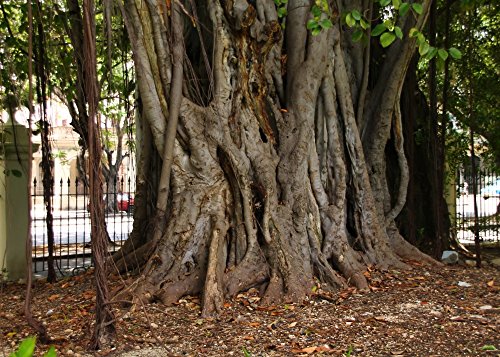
column 104, row 328
column 272, row 183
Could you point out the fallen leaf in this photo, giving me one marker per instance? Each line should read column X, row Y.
column 293, row 324
column 53, row 297
column 89, row 294
column 323, row 348
column 307, row 350
column 254, row 324
column 490, row 283
column 488, row 348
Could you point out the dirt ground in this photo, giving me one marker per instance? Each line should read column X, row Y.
column 426, row 311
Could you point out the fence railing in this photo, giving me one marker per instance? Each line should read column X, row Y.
column 71, row 222
column 487, row 201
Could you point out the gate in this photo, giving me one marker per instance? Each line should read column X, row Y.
column 488, row 205
column 71, row 223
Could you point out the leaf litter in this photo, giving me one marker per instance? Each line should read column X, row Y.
column 420, row 312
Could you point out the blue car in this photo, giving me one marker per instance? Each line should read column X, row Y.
column 492, row 189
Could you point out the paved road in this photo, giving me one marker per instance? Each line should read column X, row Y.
column 74, row 227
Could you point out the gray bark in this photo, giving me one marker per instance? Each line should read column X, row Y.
column 270, row 182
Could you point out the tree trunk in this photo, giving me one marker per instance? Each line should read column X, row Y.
column 271, row 184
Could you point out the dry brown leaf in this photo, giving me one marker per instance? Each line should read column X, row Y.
column 490, row 283
column 53, row 297
column 307, row 350
column 89, row 294
column 323, row 348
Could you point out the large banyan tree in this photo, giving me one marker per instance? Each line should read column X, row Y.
column 264, row 132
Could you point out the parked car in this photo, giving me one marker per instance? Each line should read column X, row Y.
column 492, row 189
column 125, row 202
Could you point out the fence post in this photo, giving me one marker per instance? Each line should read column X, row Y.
column 15, row 212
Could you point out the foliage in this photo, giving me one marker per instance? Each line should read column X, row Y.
column 473, row 79
column 489, row 348
column 388, row 29
column 27, row 347
column 321, row 17
column 246, row 353
column 115, row 67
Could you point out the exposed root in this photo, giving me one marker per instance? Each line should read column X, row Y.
column 132, row 260
column 212, row 300
column 252, row 271
column 407, row 251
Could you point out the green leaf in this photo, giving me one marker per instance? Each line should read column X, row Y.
column 26, row 348
column 51, row 352
column 413, row 32
column 378, row 30
column 364, row 24
column 417, row 8
column 398, row 32
column 488, row 348
column 281, row 12
column 246, row 353
column 356, row 14
column 431, row 53
column 396, row 4
column 349, row 20
column 326, row 23
column 315, row 31
column 455, row 53
column 440, row 64
column 312, row 24
column 423, row 48
column 389, row 24
column 316, row 11
column 357, row 35
column 403, row 9
column 443, row 54
column 384, row 2
column 387, row 38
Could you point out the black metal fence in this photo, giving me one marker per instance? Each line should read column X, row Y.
column 487, row 200
column 71, row 222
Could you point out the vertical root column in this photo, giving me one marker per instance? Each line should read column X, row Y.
column 213, row 294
